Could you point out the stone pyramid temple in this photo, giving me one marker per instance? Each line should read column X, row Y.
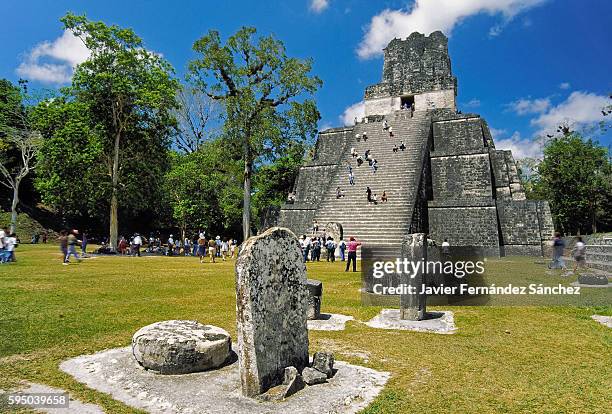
column 448, row 181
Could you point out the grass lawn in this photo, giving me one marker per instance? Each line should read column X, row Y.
column 502, row 359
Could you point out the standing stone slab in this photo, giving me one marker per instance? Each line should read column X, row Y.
column 271, row 309
column 315, row 291
column 412, row 306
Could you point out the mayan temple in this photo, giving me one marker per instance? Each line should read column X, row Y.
column 449, row 181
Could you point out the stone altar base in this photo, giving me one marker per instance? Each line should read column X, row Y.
column 437, row 322
column 604, row 320
column 329, row 322
column 115, row 372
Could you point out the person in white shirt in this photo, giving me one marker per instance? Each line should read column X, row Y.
column 3, row 233
column 579, row 254
column 137, row 243
column 9, row 248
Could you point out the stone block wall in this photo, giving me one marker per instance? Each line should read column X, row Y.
column 519, row 222
column 328, row 148
column 461, row 177
column 465, row 226
column 297, row 218
column 445, row 98
column 458, row 136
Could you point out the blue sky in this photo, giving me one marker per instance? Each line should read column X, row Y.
column 524, row 65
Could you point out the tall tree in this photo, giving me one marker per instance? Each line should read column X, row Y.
column 575, row 175
column 18, row 142
column 266, row 96
column 131, row 93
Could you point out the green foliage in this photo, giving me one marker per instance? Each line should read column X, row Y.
column 69, row 176
column 204, row 189
column 266, row 96
column 576, row 177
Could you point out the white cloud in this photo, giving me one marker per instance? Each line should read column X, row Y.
column 427, row 16
column 520, row 147
column 525, row 106
column 580, row 109
column 318, row 6
column 564, row 85
column 357, row 110
column 473, row 103
column 53, row 62
column 496, row 133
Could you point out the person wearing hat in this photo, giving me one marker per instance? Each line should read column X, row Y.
column 170, row 245
column 218, row 245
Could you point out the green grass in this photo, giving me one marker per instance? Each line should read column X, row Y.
column 503, row 359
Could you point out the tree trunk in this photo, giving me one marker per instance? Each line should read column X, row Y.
column 114, row 220
column 246, row 206
column 13, row 226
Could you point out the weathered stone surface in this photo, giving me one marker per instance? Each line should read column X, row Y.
column 315, row 292
column 414, row 249
column 271, row 307
column 592, row 279
column 435, row 322
column 334, row 230
column 180, row 347
column 292, row 383
column 324, row 362
column 312, row 376
column 114, row 372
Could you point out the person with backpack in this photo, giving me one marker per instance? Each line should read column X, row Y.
column 201, row 247
column 342, row 248
column 212, row 250
column 331, row 249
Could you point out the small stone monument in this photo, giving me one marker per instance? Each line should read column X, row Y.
column 271, row 310
column 412, row 305
column 315, row 291
column 181, row 347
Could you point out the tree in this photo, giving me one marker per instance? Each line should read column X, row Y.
column 259, row 88
column 69, row 173
column 130, row 93
column 195, row 114
column 202, row 188
column 575, row 175
column 18, row 142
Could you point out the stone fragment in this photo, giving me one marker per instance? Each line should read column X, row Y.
column 271, row 310
column 315, row 291
column 181, row 347
column 312, row 376
column 592, row 279
column 324, row 362
column 292, row 383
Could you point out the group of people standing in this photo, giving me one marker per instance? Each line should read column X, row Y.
column 69, row 241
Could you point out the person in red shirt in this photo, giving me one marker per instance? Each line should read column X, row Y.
column 352, row 253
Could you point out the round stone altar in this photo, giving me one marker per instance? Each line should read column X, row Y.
column 181, row 347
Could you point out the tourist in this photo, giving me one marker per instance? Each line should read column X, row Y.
column 331, row 249
column 84, row 244
column 342, row 248
column 44, row 238
column 359, row 160
column 137, row 243
column 63, row 242
column 9, row 243
column 315, row 226
column 390, row 132
column 395, row 148
column 366, row 155
column 558, row 247
column 355, row 120
column 3, row 235
column 339, row 193
column 186, row 246
column 412, row 110
column 218, row 246
column 353, row 152
column 365, row 137
column 353, row 244
column 224, row 249
column 385, row 125
column 305, row 243
column 402, row 146
column 369, row 194
column 445, row 249
column 383, row 197
column 122, row 245
column 579, row 254
column 201, row 247
column 351, row 178
column 375, row 199
column 316, row 249
column 212, row 250
column 171, row 245
column 374, row 165
column 72, row 242
column 357, row 137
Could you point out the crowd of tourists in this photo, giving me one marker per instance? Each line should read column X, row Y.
column 312, row 246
